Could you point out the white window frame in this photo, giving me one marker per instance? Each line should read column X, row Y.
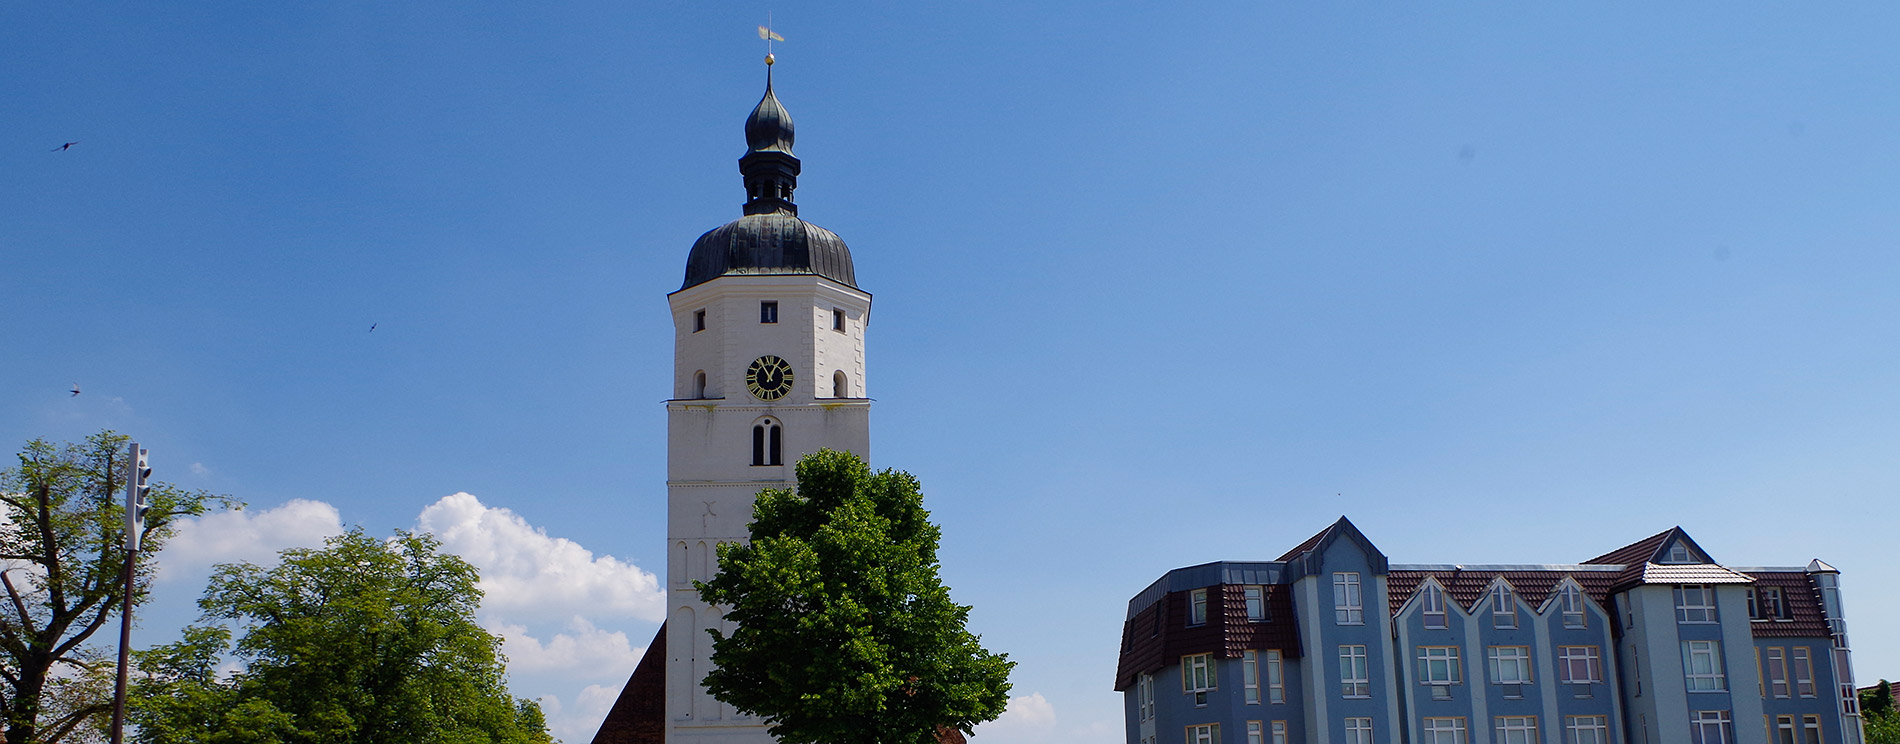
column 1197, row 673
column 1197, row 607
column 1803, row 660
column 1781, row 729
column 1702, row 666
column 1775, row 675
column 1503, row 607
column 1570, row 600
column 1515, row 659
column 1432, row 599
column 1679, row 553
column 1278, row 730
column 1589, row 656
column 1276, row 676
column 1250, row 676
column 1256, row 733
column 1811, row 729
column 1586, row 730
column 1517, row 729
column 1355, row 675
column 1145, row 698
column 1359, row 730
column 1711, row 727
column 1444, row 730
column 1256, row 596
column 1695, row 604
column 1203, row 733
column 1439, row 665
column 1349, row 606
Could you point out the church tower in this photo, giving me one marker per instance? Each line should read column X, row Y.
column 768, row 365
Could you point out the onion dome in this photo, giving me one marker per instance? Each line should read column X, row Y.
column 770, row 238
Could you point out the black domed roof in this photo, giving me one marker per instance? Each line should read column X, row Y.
column 769, row 128
column 776, row 243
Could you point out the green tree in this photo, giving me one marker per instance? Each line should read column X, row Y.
column 1877, row 701
column 62, row 526
column 845, row 633
column 363, row 641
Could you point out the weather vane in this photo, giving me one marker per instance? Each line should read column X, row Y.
column 768, row 35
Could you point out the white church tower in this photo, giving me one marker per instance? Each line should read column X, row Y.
column 768, row 365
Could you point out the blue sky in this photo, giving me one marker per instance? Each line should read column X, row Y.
column 1156, row 284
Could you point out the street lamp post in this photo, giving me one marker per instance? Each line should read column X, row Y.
column 136, row 486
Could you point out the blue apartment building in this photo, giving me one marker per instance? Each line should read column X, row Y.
column 1652, row 643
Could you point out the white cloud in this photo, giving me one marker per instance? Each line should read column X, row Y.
column 246, row 535
column 582, row 721
column 199, row 469
column 584, row 652
column 527, row 575
column 1029, row 718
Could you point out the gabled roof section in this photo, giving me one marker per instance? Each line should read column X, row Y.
column 1343, row 528
column 1467, row 585
column 1653, row 549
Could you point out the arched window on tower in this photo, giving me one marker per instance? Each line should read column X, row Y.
column 768, row 445
column 840, row 385
column 699, row 384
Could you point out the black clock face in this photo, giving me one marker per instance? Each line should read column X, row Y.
column 769, row 378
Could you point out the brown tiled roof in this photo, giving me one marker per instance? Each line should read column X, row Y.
column 1806, row 619
column 637, row 715
column 1159, row 633
column 1637, row 553
column 1466, row 587
column 1310, row 543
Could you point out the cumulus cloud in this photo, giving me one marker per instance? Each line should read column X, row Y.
column 583, row 652
column 1029, row 718
column 198, row 468
column 580, row 721
column 527, row 575
column 247, row 535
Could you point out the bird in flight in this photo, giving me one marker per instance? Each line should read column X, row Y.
column 64, row 147
column 372, row 328
column 75, row 388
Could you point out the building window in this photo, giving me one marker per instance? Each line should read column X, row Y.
column 1197, row 676
column 1679, row 553
column 1510, row 665
column 1254, row 733
column 699, row 384
column 1711, row 727
column 1256, row 602
column 1517, row 729
column 1586, row 730
column 1810, row 730
column 1444, row 731
column 1702, row 666
column 1695, row 604
column 1250, row 675
column 1803, row 672
column 1579, row 665
column 1777, row 676
column 1503, row 607
column 1145, row 697
column 1206, row 733
column 1354, row 679
column 1348, row 605
column 768, row 311
column 1358, row 731
column 1572, row 601
column 1434, row 601
column 699, row 320
column 1438, row 665
column 837, row 320
column 840, row 385
column 1279, row 732
column 1276, row 678
column 1782, row 731
column 1197, row 607
column 768, row 445
column 1765, row 603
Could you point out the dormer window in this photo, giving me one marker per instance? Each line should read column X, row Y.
column 1679, row 553
column 1503, row 607
column 768, row 311
column 1197, row 607
column 1434, row 602
column 1256, row 602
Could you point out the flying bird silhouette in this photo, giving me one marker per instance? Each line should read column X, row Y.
column 372, row 328
column 75, row 388
column 64, row 147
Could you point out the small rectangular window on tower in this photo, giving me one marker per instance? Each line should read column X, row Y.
column 768, row 311
column 837, row 320
column 699, row 320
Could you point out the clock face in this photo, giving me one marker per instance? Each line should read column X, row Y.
column 769, row 378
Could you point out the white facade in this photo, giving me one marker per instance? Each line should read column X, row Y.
column 712, row 477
